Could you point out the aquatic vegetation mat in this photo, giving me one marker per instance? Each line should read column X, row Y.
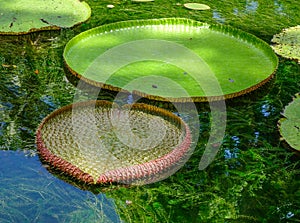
column 290, row 124
column 155, row 58
column 24, row 16
column 287, row 43
column 98, row 142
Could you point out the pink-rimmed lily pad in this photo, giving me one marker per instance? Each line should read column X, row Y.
column 97, row 142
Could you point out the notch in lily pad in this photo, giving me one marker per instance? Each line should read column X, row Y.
column 196, row 6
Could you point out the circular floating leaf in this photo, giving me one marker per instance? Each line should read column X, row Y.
column 24, row 16
column 287, row 43
column 289, row 126
column 97, row 142
column 171, row 59
column 196, row 6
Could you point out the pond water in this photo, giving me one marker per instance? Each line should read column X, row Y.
column 254, row 177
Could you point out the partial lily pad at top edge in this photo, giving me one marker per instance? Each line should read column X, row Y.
column 99, row 142
column 25, row 16
column 172, row 59
column 196, row 6
column 289, row 126
column 287, row 43
column 142, row 0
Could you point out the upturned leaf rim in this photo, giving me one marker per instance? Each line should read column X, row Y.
column 225, row 29
column 135, row 174
column 50, row 27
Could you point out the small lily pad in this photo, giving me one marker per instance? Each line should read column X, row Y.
column 289, row 125
column 287, row 43
column 110, row 6
column 196, row 6
column 25, row 16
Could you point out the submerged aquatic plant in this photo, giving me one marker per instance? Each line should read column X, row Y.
column 97, row 143
column 29, row 194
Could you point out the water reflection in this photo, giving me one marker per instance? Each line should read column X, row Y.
column 279, row 7
column 232, row 151
column 50, row 101
column 251, row 6
column 30, row 194
column 255, row 141
column 218, row 17
column 266, row 109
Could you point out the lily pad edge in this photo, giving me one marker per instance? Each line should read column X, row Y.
column 50, row 27
column 283, row 139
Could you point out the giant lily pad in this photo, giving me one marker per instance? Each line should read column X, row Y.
column 171, row 59
column 287, row 43
column 24, row 16
column 290, row 124
column 97, row 142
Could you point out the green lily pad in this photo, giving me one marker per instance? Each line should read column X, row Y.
column 289, row 126
column 287, row 43
column 196, row 6
column 171, row 59
column 24, row 16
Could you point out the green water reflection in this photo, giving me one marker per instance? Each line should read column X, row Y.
column 253, row 178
